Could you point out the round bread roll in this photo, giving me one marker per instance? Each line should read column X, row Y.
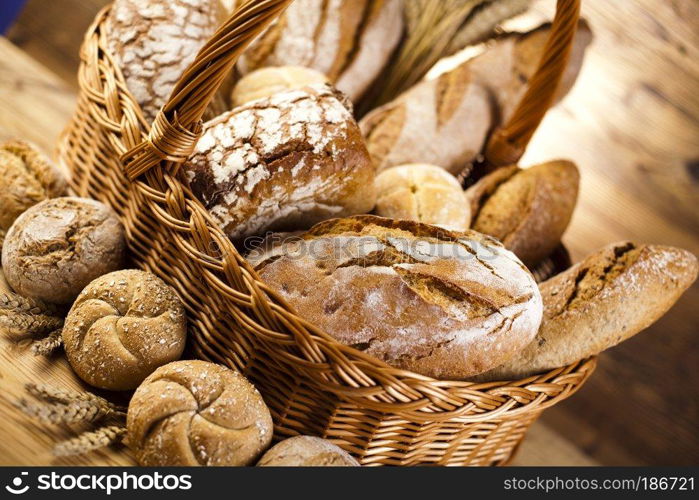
column 54, row 249
column 307, row 451
column 192, row 413
column 123, row 326
column 527, row 209
column 27, row 177
column 423, row 193
column 444, row 304
column 266, row 82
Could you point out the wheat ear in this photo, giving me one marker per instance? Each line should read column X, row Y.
column 89, row 441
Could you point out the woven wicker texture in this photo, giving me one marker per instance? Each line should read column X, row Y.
column 313, row 384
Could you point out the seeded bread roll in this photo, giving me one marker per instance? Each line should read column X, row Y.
column 440, row 303
column 283, row 163
column 446, row 121
column 350, row 41
column 528, row 210
column 27, row 177
column 423, row 193
column 307, row 451
column 607, row 298
column 191, row 413
column 122, row 327
column 57, row 247
column 155, row 41
column 266, row 82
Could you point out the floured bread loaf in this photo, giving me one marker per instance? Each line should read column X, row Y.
column 154, row 42
column 446, row 121
column 122, row 327
column 57, row 247
column 191, row 413
column 283, row 163
column 610, row 296
column 423, row 193
column 444, row 304
column 529, row 209
column 306, row 451
column 350, row 41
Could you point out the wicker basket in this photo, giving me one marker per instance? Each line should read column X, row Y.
column 313, row 384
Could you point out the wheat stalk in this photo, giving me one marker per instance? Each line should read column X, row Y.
column 57, row 395
column 31, row 324
column 14, row 303
column 47, row 346
column 89, row 441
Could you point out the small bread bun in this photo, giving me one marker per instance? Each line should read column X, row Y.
column 54, row 249
column 122, row 327
column 192, row 413
column 423, row 193
column 266, row 82
column 307, row 451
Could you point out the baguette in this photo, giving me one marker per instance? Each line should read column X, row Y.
column 607, row 298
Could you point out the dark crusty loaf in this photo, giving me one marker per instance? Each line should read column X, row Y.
column 440, row 303
column 283, row 163
column 610, row 296
column 306, row 451
column 528, row 210
column 446, row 121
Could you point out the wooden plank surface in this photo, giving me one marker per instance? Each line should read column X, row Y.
column 631, row 124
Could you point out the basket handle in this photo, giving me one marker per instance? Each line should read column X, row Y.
column 508, row 143
column 177, row 126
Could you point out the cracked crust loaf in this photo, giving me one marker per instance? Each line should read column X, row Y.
column 155, row 41
column 57, row 247
column 191, row 413
column 122, row 327
column 423, row 193
column 27, row 178
column 607, row 298
column 446, row 121
column 444, row 304
column 283, row 163
column 350, row 41
column 528, row 210
column 306, row 451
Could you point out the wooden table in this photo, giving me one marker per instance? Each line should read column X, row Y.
column 631, row 124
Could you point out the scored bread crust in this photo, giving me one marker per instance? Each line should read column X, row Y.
column 421, row 298
column 350, row 41
column 607, row 298
column 283, row 163
column 528, row 210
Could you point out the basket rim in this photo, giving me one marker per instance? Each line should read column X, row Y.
column 322, row 361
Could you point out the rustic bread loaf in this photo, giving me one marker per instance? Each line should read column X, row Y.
column 190, row 413
column 421, row 298
column 266, row 82
column 306, row 451
column 446, row 121
column 350, row 41
column 610, row 296
column 283, row 163
column 423, row 193
column 528, row 210
column 27, row 177
column 155, row 41
column 54, row 249
column 122, row 327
